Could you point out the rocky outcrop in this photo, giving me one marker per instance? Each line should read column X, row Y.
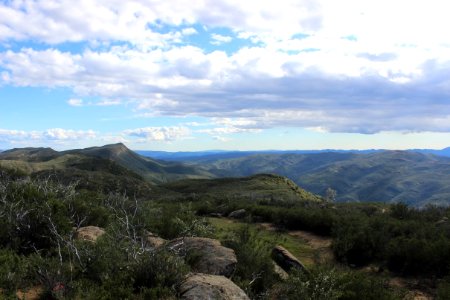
column 286, row 260
column 89, row 233
column 205, row 286
column 205, row 255
column 238, row 214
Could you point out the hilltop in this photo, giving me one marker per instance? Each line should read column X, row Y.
column 267, row 188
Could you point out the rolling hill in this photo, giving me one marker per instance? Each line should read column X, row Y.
column 387, row 176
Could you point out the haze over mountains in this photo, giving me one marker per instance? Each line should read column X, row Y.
column 414, row 177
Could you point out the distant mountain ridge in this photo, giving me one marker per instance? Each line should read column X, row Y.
column 216, row 154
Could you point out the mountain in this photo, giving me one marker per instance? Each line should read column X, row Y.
column 153, row 170
column 387, row 176
column 442, row 152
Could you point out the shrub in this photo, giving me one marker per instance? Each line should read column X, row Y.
column 255, row 270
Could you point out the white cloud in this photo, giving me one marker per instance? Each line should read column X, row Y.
column 108, row 102
column 53, row 135
column 218, row 39
column 163, row 134
column 75, row 102
column 189, row 31
column 63, row 134
column 60, row 21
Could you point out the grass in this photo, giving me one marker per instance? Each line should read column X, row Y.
column 297, row 246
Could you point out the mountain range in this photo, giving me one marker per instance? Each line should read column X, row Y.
column 417, row 178
column 192, row 156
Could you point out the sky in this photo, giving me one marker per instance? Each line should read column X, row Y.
column 196, row 75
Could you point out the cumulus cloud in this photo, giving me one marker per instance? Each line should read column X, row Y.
column 272, row 88
column 189, row 31
column 75, row 102
column 61, row 21
column 60, row 134
column 164, row 134
column 218, row 39
column 50, row 136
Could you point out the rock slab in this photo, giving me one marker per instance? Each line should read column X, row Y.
column 204, row 286
column 286, row 260
column 205, row 255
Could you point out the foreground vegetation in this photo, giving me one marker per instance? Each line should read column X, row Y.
column 38, row 247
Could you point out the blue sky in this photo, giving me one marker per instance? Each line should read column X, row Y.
column 242, row 75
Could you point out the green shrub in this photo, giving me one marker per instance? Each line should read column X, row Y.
column 319, row 284
column 255, row 270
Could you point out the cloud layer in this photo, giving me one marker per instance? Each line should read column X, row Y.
column 324, row 64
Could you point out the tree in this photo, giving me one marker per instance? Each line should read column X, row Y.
column 330, row 195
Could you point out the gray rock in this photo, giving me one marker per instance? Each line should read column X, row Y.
column 238, row 214
column 205, row 255
column 286, row 260
column 204, row 286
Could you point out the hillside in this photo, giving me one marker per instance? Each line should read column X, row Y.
column 265, row 188
column 392, row 176
column 29, row 154
column 90, row 173
column 32, row 160
column 389, row 176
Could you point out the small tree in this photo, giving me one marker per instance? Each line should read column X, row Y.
column 330, row 195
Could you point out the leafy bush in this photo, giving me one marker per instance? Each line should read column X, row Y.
column 255, row 270
column 318, row 284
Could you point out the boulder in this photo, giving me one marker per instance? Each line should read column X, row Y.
column 154, row 241
column 205, row 255
column 286, row 260
column 204, row 286
column 238, row 214
column 89, row 233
